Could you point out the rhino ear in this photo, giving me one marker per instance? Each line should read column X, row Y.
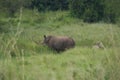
column 44, row 36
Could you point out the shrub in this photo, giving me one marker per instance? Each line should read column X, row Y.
column 12, row 6
column 92, row 10
column 43, row 5
column 4, row 27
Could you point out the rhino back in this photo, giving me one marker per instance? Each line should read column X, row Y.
column 61, row 43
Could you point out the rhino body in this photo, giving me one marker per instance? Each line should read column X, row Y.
column 59, row 43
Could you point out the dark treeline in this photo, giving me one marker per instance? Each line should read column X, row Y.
column 43, row 5
column 95, row 10
column 88, row 10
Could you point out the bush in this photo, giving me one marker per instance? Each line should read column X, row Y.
column 111, row 11
column 92, row 10
column 110, row 16
column 4, row 27
column 43, row 5
column 12, row 6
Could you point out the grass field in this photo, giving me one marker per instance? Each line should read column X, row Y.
column 22, row 59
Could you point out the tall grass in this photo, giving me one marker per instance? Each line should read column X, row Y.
column 22, row 59
column 9, row 49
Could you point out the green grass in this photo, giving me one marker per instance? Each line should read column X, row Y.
column 22, row 59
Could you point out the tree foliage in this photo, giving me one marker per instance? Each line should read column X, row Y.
column 43, row 5
column 88, row 10
column 94, row 10
column 112, row 10
column 12, row 6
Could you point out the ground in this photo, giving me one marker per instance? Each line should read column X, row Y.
column 23, row 59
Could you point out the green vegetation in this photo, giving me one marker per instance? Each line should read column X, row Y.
column 87, row 10
column 45, row 5
column 95, row 10
column 22, row 59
